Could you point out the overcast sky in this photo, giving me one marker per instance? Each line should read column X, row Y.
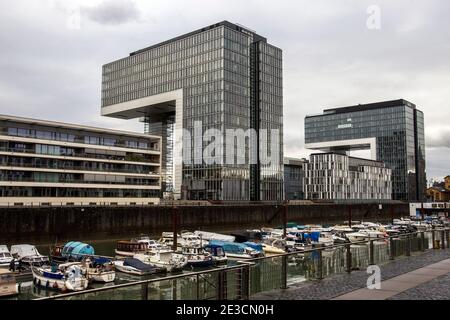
column 51, row 57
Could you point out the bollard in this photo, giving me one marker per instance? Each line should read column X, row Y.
column 408, row 245
column 391, row 249
column 284, row 272
column 371, row 253
column 320, row 266
column 349, row 258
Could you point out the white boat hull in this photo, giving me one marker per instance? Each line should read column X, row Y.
column 62, row 285
column 103, row 276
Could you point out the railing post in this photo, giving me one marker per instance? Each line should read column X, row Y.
column 433, row 238
column 408, row 245
column 284, row 272
column 144, row 291
column 348, row 254
column 371, row 253
column 443, row 239
column 422, row 241
column 246, row 283
column 448, row 238
column 320, row 265
column 391, row 249
column 197, row 295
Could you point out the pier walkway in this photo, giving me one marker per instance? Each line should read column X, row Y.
column 421, row 276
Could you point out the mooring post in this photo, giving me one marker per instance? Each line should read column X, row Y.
column 349, row 258
column 175, row 227
column 371, row 253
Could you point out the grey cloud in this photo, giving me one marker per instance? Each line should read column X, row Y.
column 440, row 139
column 112, row 12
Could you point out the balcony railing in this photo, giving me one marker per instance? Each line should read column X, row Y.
column 79, row 181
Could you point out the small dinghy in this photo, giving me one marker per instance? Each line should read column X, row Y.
column 137, row 267
column 65, row 277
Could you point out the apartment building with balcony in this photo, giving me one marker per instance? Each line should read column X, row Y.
column 52, row 163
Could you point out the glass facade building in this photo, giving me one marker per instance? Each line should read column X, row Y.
column 220, row 77
column 393, row 130
column 294, row 176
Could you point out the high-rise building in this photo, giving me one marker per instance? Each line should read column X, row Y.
column 392, row 130
column 294, row 176
column 223, row 77
column 332, row 176
column 54, row 163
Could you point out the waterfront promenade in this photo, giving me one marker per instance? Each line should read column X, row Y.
column 419, row 277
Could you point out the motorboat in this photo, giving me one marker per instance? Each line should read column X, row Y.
column 269, row 249
column 357, row 236
column 65, row 277
column 29, row 256
column 166, row 258
column 374, row 234
column 5, row 256
column 237, row 251
column 8, row 284
column 136, row 267
column 218, row 254
column 99, row 269
column 130, row 248
column 197, row 257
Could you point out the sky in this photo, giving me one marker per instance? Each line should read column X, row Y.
column 335, row 53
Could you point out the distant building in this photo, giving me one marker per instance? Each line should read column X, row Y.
column 392, row 130
column 294, row 175
column 54, row 163
column 332, row 176
column 440, row 192
column 437, row 194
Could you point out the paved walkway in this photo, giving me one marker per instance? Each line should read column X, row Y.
column 397, row 285
column 340, row 284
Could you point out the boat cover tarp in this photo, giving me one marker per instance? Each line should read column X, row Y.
column 257, row 246
column 75, row 249
column 138, row 264
column 231, row 247
column 101, row 261
column 315, row 236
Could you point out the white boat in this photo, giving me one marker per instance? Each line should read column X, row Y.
column 28, row 255
column 99, row 270
column 8, row 284
column 136, row 267
column 197, row 257
column 167, row 259
column 5, row 256
column 65, row 277
column 236, row 251
column 357, row 236
column 374, row 234
column 214, row 236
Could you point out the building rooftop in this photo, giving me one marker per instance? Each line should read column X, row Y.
column 64, row 125
column 366, row 107
column 350, row 157
column 225, row 23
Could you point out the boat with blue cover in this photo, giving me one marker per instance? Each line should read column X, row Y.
column 137, row 267
column 236, row 250
column 218, row 254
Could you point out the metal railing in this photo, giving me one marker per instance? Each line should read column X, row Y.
column 273, row 272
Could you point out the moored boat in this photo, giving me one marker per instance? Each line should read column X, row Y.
column 5, row 257
column 29, row 256
column 165, row 258
column 65, row 277
column 136, row 267
column 130, row 248
column 218, row 254
column 8, row 284
column 99, row 269
column 237, row 251
column 197, row 257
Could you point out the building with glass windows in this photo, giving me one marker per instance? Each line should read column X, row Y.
column 294, row 177
column 53, row 163
column 333, row 176
column 392, row 130
column 223, row 77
